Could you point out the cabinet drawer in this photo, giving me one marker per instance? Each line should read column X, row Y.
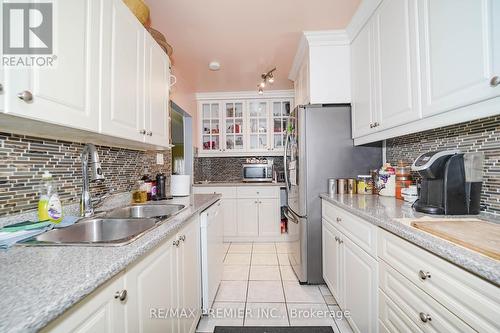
column 472, row 299
column 362, row 233
column 227, row 192
column 402, row 305
column 258, row 192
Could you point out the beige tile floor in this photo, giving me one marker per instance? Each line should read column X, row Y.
column 259, row 288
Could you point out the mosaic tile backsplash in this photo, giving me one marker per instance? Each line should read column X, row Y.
column 481, row 135
column 224, row 169
column 23, row 159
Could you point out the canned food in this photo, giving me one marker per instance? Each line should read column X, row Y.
column 332, row 186
column 365, row 184
column 341, row 186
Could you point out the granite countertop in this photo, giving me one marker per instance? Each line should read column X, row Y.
column 386, row 213
column 236, row 183
column 38, row 284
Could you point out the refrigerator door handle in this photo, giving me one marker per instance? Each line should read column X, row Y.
column 287, row 186
column 290, row 217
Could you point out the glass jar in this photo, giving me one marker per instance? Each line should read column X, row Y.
column 139, row 192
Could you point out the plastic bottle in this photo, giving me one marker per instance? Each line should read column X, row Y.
column 49, row 205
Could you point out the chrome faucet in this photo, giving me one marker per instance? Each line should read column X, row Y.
column 86, row 208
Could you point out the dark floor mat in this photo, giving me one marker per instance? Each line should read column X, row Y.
column 277, row 329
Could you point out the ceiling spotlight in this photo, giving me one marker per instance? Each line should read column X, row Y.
column 266, row 77
column 214, row 66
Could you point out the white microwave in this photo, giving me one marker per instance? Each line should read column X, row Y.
column 257, row 172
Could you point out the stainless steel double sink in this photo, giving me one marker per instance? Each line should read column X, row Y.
column 117, row 227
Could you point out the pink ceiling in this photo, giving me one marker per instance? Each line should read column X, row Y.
column 247, row 37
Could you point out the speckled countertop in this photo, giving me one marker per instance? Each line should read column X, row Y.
column 385, row 212
column 230, row 184
column 37, row 284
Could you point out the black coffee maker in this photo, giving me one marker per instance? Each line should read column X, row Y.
column 451, row 182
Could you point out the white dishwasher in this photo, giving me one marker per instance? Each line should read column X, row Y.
column 212, row 253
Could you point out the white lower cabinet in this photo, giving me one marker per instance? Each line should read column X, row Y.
column 350, row 272
column 101, row 312
column 251, row 213
column 159, row 293
column 248, row 217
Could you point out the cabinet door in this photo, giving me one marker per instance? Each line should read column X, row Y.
column 458, row 54
column 233, row 126
column 67, row 93
column 258, row 126
column 157, row 88
column 363, row 114
column 280, row 111
column 210, row 127
column 248, row 223
column 228, row 211
column 189, row 285
column 122, row 113
column 396, row 63
column 360, row 283
column 331, row 260
column 98, row 312
column 269, row 222
column 152, row 286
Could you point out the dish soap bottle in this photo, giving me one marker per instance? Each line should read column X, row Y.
column 49, row 205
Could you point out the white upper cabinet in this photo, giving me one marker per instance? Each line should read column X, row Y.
column 459, row 52
column 321, row 68
column 233, row 126
column 68, row 93
column 157, row 93
column 419, row 65
column 109, row 79
column 243, row 124
column 363, row 105
column 396, row 63
column 123, row 82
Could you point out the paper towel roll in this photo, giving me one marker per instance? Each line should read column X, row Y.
column 181, row 185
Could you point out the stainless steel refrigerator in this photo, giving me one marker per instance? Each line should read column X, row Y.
column 318, row 146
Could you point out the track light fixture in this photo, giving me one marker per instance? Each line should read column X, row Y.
column 266, row 78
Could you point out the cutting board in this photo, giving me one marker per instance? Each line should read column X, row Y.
column 474, row 234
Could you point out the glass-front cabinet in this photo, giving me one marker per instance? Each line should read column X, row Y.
column 258, row 120
column 280, row 114
column 211, row 134
column 233, row 130
column 243, row 127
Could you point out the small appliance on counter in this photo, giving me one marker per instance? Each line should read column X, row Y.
column 180, row 185
column 451, row 182
column 258, row 170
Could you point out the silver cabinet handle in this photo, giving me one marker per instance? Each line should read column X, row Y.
column 376, row 124
column 495, row 81
column 256, row 201
column 1, row 88
column 339, row 220
column 336, row 238
column 424, row 275
column 26, row 96
column 121, row 295
column 340, row 240
column 176, row 243
column 150, row 133
column 142, row 131
column 425, row 317
column 182, row 238
column 371, row 125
